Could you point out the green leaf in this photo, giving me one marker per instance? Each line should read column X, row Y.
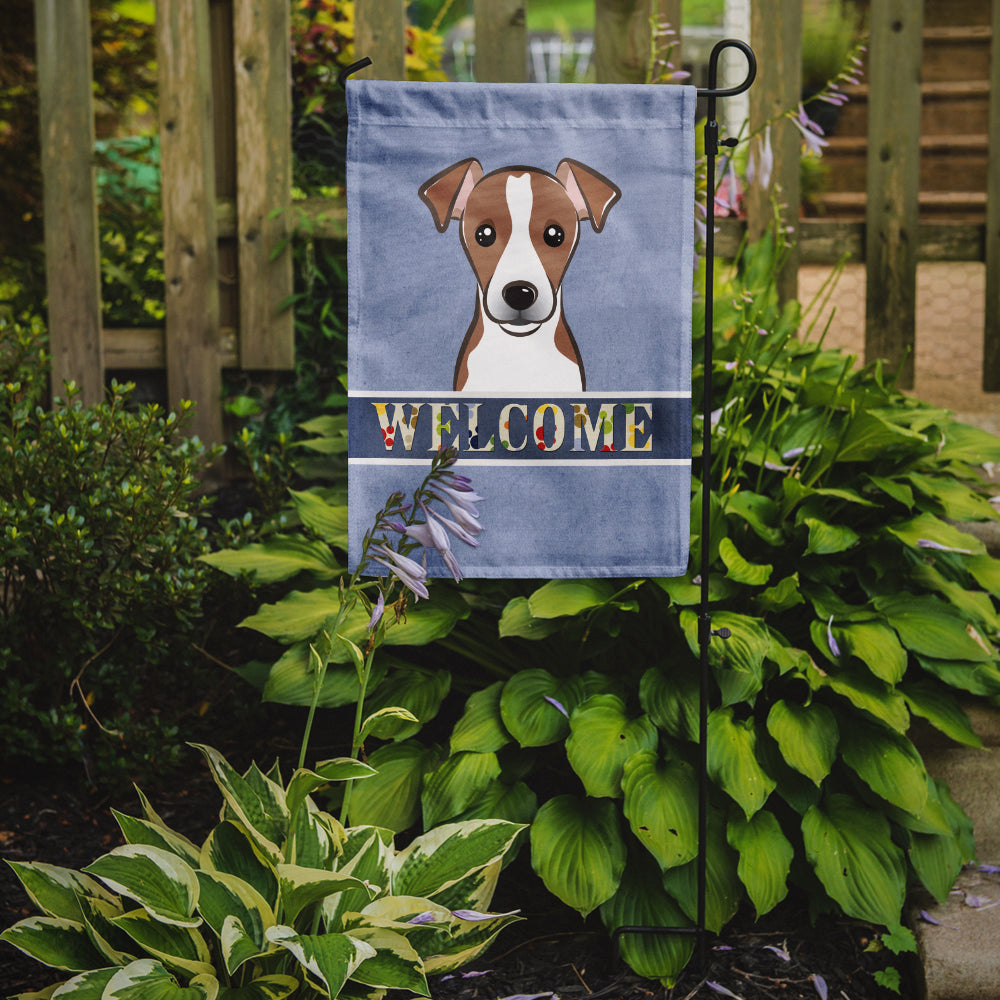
column 391, row 798
column 304, row 782
column 328, row 521
column 956, row 500
column 758, row 511
column 866, row 692
column 440, row 858
column 517, row 620
column 163, row 884
column 230, row 849
column 937, row 859
column 330, row 959
column 738, row 662
column 279, row 558
column 827, row 539
column 807, row 736
column 301, row 887
column 385, row 723
column 147, row 979
column 671, row 699
column 752, row 574
column 661, row 799
column 181, row 948
column 516, row 803
column 417, row 690
column 481, row 727
column 56, row 891
column 941, row 709
column 850, row 848
column 141, row 831
column 869, row 436
column 976, row 678
column 54, row 941
column 765, row 858
column 558, row 598
column 965, row 443
column 986, row 571
column 456, row 784
column 876, row 646
column 783, row 595
column 723, row 889
column 275, row 987
column 225, row 897
column 292, row 680
column 602, row 738
column 395, row 964
column 86, row 986
column 932, row 628
column 732, row 760
column 578, row 851
column 888, row 763
column 927, row 527
column 527, row 711
column 640, row 901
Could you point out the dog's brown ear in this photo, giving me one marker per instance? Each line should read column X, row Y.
column 446, row 193
column 592, row 193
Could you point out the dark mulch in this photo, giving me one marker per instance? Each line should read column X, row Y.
column 551, row 951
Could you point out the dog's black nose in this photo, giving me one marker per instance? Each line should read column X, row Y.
column 520, row 295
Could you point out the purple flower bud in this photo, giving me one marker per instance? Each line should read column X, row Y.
column 558, row 705
column 427, row 917
column 377, row 611
column 834, row 648
column 820, row 983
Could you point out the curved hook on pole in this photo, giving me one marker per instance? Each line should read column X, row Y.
column 353, row 68
column 713, row 69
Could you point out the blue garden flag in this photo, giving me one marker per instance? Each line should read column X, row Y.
column 519, row 273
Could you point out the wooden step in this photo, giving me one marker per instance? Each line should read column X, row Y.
column 945, row 105
column 947, row 162
column 958, row 206
column 956, row 53
column 940, row 13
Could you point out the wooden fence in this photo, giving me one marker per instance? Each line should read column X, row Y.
column 226, row 161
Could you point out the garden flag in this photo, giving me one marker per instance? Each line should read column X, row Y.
column 520, row 263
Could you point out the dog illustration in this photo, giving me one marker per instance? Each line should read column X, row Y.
column 519, row 227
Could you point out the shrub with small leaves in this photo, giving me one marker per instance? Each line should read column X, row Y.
column 99, row 572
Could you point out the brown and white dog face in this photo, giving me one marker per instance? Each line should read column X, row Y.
column 519, row 227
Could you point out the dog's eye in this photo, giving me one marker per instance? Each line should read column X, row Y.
column 486, row 235
column 553, row 235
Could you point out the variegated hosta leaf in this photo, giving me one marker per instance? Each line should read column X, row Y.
column 850, row 847
column 147, row 979
column 578, row 851
column 177, row 947
column 723, row 889
column 256, row 801
column 225, row 897
column 441, row 857
column 661, row 799
column 888, row 763
column 367, row 853
column 468, row 939
column 304, row 782
column 395, row 964
column 158, row 880
column 476, row 890
column 98, row 915
column 54, row 941
column 481, row 727
column 456, row 784
column 300, row 887
column 602, row 737
column 535, row 706
column 391, row 799
column 275, row 987
column 87, row 986
column 765, row 858
column 56, row 891
column 329, row 959
column 732, row 760
column 642, row 902
column 230, row 849
column 315, row 838
column 141, row 831
column 807, row 736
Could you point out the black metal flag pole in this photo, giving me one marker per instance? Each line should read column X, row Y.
column 705, row 631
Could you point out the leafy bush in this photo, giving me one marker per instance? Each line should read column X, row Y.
column 99, row 539
column 854, row 604
column 279, row 899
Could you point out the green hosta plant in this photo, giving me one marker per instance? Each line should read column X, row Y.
column 279, row 900
column 855, row 604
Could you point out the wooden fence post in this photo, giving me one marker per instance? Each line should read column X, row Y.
column 776, row 35
column 190, row 251
column 892, row 215
column 262, row 61
column 622, row 40
column 72, row 255
column 991, row 332
column 380, row 34
column 501, row 41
